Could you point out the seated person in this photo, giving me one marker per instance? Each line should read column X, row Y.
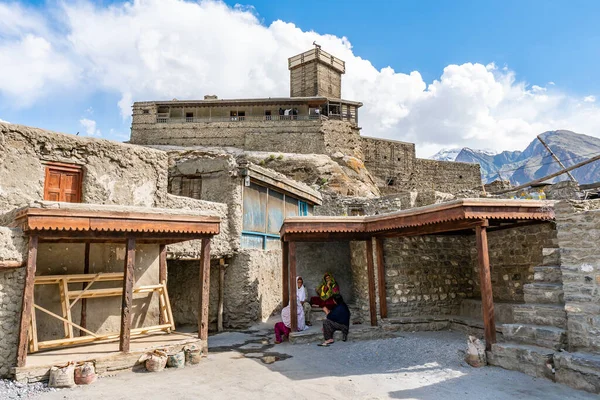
column 302, row 296
column 326, row 289
column 283, row 328
column 337, row 319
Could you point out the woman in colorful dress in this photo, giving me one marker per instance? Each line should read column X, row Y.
column 283, row 328
column 325, row 291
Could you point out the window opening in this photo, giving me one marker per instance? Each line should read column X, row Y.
column 63, row 182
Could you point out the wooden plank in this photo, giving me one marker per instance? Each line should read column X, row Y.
column 448, row 226
column 34, row 334
column 371, row 282
column 66, row 321
column 162, row 273
column 27, row 301
column 285, row 248
column 487, row 297
column 106, row 337
column 86, row 270
column 204, row 290
column 128, row 279
column 79, row 278
column 221, row 295
column 80, row 294
column 381, row 278
column 11, row 264
column 170, row 320
column 292, row 285
column 66, row 310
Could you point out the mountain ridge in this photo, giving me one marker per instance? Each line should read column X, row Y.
column 535, row 161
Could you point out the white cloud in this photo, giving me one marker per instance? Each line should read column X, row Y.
column 90, row 127
column 3, row 121
column 164, row 49
column 589, row 99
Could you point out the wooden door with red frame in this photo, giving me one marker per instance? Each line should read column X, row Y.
column 63, row 183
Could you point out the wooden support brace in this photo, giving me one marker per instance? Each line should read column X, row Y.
column 86, row 270
column 221, row 295
column 162, row 275
column 204, row 290
column 285, row 248
column 66, row 310
column 371, row 281
column 292, row 288
column 27, row 301
column 487, row 297
column 381, row 278
column 128, row 279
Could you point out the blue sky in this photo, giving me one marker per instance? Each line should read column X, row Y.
column 484, row 74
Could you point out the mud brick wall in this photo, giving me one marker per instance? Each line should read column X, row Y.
column 427, row 275
column 513, row 254
column 578, row 225
column 446, row 176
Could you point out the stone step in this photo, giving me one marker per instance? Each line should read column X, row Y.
column 546, row 293
column 541, row 314
column 542, row 336
column 551, row 256
column 578, row 370
column 547, row 274
column 531, row 360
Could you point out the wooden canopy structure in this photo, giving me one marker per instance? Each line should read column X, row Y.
column 105, row 224
column 459, row 216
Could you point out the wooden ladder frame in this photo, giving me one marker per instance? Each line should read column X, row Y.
column 66, row 296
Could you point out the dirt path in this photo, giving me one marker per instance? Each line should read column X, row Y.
column 425, row 365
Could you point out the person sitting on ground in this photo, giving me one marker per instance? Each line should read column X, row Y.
column 283, row 328
column 337, row 319
column 326, row 289
column 302, row 296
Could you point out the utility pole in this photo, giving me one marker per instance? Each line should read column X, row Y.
column 556, row 158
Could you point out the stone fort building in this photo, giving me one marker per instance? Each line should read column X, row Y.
column 313, row 120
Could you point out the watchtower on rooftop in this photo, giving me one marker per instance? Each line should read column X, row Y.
column 316, row 73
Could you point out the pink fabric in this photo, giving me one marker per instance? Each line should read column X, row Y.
column 281, row 331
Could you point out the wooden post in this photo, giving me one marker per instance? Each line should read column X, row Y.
column 221, row 294
column 127, row 297
column 381, row 278
column 293, row 285
column 162, row 275
column 285, row 247
column 485, row 282
column 204, row 290
column 27, row 301
column 86, row 270
column 371, row 280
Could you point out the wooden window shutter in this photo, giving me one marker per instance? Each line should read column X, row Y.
column 63, row 183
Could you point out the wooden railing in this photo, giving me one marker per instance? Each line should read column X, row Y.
column 179, row 120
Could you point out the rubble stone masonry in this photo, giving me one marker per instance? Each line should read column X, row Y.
column 578, row 224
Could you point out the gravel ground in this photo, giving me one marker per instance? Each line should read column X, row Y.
column 13, row 390
column 424, row 365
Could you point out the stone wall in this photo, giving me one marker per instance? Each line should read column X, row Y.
column 314, row 259
column 427, row 275
column 252, row 289
column 113, row 173
column 513, row 254
column 13, row 247
column 396, row 168
column 578, row 225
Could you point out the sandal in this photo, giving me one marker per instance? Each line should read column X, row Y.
column 325, row 344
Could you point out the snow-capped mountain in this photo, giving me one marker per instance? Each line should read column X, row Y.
column 534, row 162
column 446, row 154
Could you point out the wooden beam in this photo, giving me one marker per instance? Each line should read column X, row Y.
column 371, row 281
column 86, row 270
column 449, row 226
column 27, row 301
column 292, row 286
column 485, row 282
column 285, row 248
column 204, row 290
column 221, row 295
column 162, row 274
column 381, row 278
column 128, row 279
column 11, row 264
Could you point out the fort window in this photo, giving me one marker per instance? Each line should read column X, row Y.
column 268, row 115
column 390, row 181
column 189, row 116
column 146, row 111
column 187, row 186
column 63, row 182
column 264, row 212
